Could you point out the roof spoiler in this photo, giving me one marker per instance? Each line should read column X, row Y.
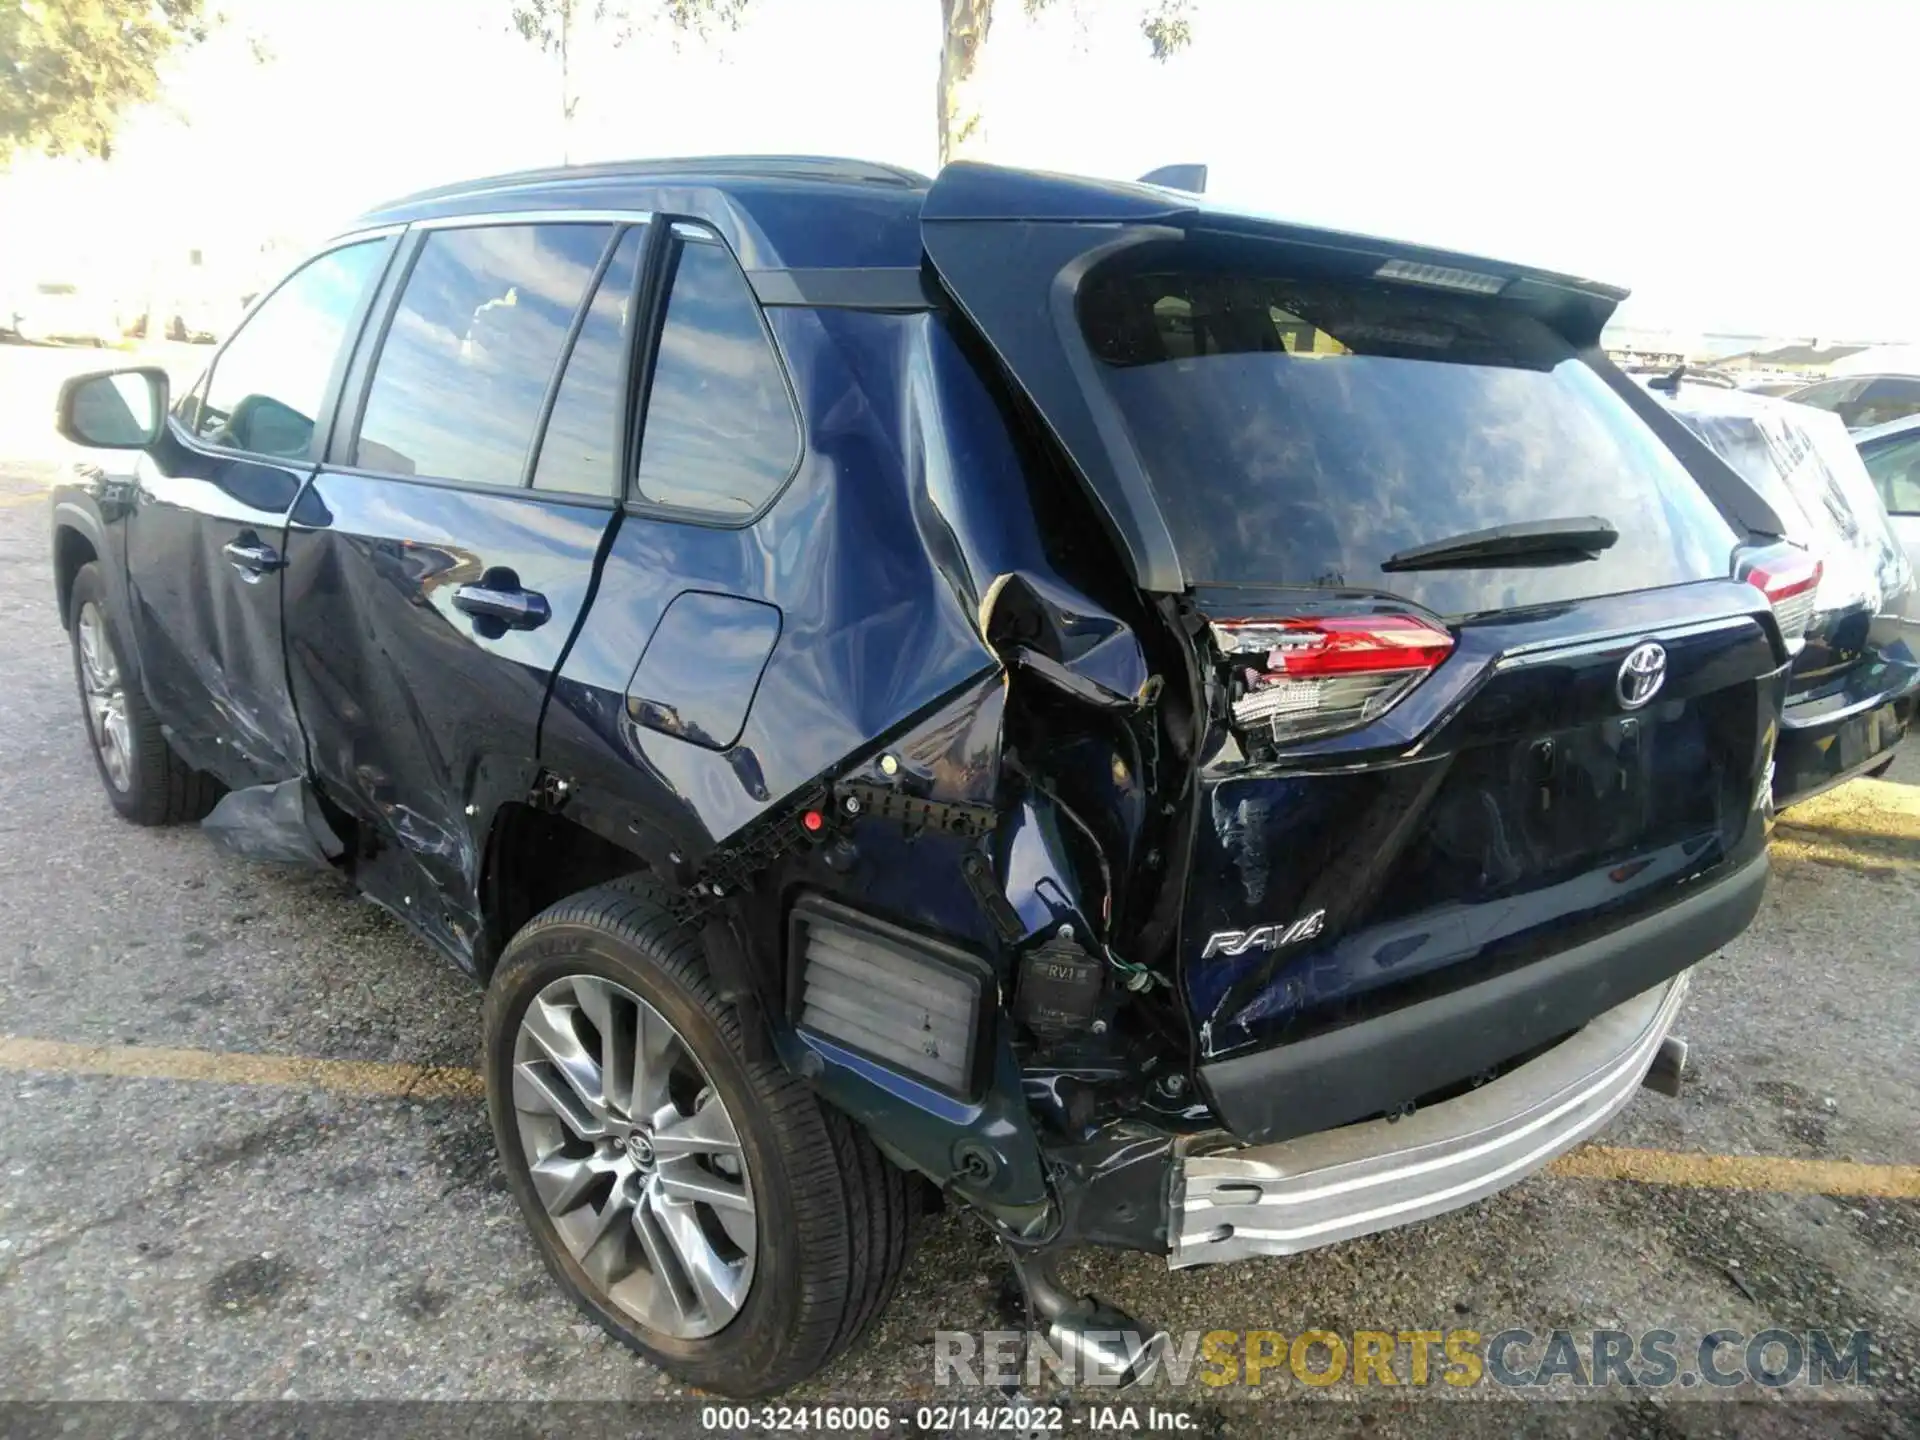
column 1191, row 178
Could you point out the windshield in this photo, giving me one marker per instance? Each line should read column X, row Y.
column 1303, row 431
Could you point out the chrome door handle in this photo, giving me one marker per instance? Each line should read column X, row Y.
column 251, row 556
column 516, row 609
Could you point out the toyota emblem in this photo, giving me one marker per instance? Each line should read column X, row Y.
column 1642, row 674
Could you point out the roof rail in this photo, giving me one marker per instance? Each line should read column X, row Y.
column 787, row 167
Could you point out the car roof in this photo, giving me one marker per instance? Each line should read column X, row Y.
column 1863, row 376
column 776, row 211
column 1904, row 425
column 1693, row 398
column 812, row 211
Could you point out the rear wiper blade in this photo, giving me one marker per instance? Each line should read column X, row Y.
column 1528, row 542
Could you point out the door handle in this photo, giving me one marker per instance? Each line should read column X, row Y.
column 516, row 609
column 251, row 555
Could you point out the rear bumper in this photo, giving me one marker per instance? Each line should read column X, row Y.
column 1828, row 741
column 1319, row 1189
column 1375, row 1066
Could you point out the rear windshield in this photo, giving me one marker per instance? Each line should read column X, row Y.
column 1300, row 432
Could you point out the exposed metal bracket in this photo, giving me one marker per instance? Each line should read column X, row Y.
column 949, row 817
column 550, row 792
column 730, row 866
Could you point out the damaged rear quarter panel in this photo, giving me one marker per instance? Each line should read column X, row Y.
column 907, row 522
column 875, row 558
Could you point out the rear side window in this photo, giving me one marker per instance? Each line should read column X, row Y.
column 464, row 369
column 1300, row 432
column 269, row 382
column 579, row 451
column 1893, row 397
column 720, row 435
column 1863, row 401
column 1895, row 469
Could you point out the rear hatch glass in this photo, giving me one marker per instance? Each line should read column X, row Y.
column 1302, row 431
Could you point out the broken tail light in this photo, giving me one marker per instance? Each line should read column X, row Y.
column 1790, row 579
column 1306, row 676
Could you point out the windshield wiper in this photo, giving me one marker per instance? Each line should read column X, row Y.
column 1528, row 542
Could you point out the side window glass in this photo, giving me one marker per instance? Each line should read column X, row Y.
column 1896, row 473
column 578, row 451
column 720, row 435
column 464, row 367
column 266, row 387
column 1829, row 394
column 1885, row 400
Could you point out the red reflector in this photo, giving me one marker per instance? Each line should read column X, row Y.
column 813, row 820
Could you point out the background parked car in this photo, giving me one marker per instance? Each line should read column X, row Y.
column 1863, row 401
column 1892, row 456
column 1773, row 385
column 173, row 325
column 56, row 310
column 1853, row 688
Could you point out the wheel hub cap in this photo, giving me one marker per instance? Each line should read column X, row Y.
column 105, row 696
column 634, row 1157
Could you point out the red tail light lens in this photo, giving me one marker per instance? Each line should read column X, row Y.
column 1790, row 580
column 1306, row 676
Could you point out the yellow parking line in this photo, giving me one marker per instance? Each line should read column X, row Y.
column 430, row 1082
column 143, row 1062
column 37, row 498
column 1740, row 1172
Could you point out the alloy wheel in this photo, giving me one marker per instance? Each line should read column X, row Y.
column 634, row 1156
column 105, row 695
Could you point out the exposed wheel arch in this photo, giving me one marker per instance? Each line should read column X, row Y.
column 535, row 858
column 71, row 550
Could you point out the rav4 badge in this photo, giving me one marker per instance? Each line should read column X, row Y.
column 1263, row 937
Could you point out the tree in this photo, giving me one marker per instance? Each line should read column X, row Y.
column 1166, row 25
column 69, row 69
column 556, row 26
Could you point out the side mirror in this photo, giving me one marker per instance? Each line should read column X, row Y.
column 114, row 409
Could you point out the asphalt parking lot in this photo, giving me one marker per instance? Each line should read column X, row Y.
column 187, row 1213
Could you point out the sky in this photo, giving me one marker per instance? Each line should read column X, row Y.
column 1741, row 167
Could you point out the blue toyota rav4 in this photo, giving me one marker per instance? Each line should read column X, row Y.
column 1172, row 729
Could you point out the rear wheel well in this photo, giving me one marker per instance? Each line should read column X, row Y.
column 536, row 858
column 71, row 550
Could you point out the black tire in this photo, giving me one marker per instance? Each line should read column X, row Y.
column 833, row 1215
column 161, row 788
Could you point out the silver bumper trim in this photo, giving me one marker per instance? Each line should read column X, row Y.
column 1319, row 1189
